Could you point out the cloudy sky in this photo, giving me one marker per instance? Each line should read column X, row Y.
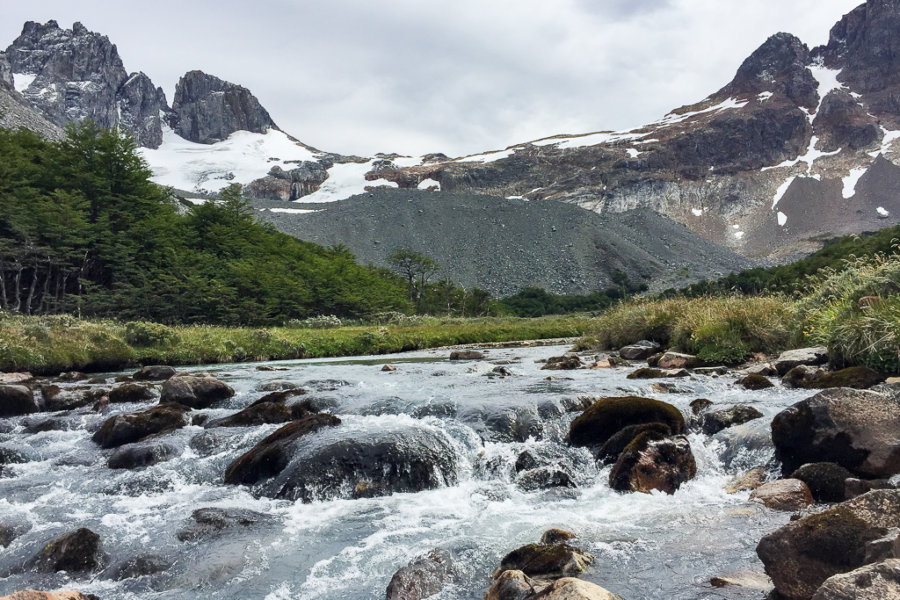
column 452, row 76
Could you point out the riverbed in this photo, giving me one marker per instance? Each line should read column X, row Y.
column 647, row 546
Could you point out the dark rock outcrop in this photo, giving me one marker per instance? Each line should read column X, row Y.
column 139, row 566
column 154, row 373
column 210, row 522
column 546, row 561
column 653, row 462
column 714, row 421
column 256, row 414
column 639, row 350
column 607, row 416
column 195, row 392
column 567, row 362
column 755, row 381
column 826, row 481
column 610, row 451
column 859, row 430
column 142, row 454
column 16, row 400
column 78, row 552
column 131, row 392
column 124, row 429
column 208, row 109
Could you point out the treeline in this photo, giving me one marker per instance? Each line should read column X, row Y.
column 795, row 277
column 536, row 302
column 84, row 231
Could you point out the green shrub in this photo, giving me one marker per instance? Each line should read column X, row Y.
column 145, row 333
column 317, row 322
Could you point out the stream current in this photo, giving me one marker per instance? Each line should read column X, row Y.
column 647, row 546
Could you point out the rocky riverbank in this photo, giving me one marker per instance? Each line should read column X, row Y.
column 157, row 464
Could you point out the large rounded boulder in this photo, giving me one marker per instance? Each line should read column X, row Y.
column 125, row 429
column 423, row 577
column 607, row 416
column 16, row 400
column 195, row 392
column 802, row 554
column 857, row 429
column 653, row 462
column 880, row 581
column 76, row 552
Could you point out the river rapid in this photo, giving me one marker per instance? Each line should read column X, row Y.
column 647, row 546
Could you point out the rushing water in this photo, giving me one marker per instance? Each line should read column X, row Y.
column 647, row 546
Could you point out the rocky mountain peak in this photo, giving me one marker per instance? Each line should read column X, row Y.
column 68, row 75
column 779, row 66
column 208, row 109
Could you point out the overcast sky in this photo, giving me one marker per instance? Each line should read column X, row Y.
column 458, row 77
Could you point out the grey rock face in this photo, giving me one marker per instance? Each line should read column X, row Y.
column 880, row 581
column 208, row 109
column 79, row 75
column 6, row 78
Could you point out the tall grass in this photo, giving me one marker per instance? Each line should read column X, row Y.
column 50, row 345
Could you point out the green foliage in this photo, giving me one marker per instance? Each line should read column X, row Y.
column 145, row 333
column 535, row 302
column 83, row 230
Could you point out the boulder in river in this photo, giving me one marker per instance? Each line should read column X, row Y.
column 56, row 398
column 154, row 373
column 546, row 561
column 826, row 480
column 423, row 577
column 804, row 376
column 755, row 381
column 195, row 392
column 879, row 581
column 857, row 429
column 802, row 554
column 653, row 373
column 131, row 392
column 466, row 355
column 858, row 377
column 570, row 588
column 677, row 360
column 714, row 421
column 142, row 454
column 139, row 566
column 556, row 536
column 209, row 522
column 60, row 595
column 77, row 552
column 514, row 585
column 567, row 362
column 607, row 416
column 133, row 427
column 255, row 414
column 783, row 494
column 609, row 452
column 789, row 359
column 16, row 400
column 639, row 351
column 653, row 462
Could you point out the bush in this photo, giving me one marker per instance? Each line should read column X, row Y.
column 145, row 333
column 317, row 322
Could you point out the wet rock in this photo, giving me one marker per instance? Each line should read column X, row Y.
column 859, row 430
column 514, row 585
column 407, row 458
column 131, row 392
column 609, row 452
column 513, row 425
column 546, row 561
column 466, row 355
column 270, row 456
column 16, row 400
column 556, row 536
column 639, row 351
column 77, row 552
column 745, row 579
column 803, row 376
column 742, row 442
column 579, row 404
column 603, row 363
column 61, row 595
column 755, row 381
column 607, row 416
column 857, row 487
column 858, row 377
column 879, row 581
column 677, row 360
column 653, row 359
column 278, row 386
column 6, row 426
column 699, row 405
column 195, row 392
column 716, row 370
column 765, row 369
column 750, row 480
column 803, row 356
column 783, row 494
column 714, row 421
column 388, row 368
column 41, row 424
column 15, row 378
column 500, row 371
column 825, row 480
column 124, row 429
column 209, row 522
column 10, row 531
column 668, row 388
column 543, row 478
column 256, row 414
column 139, row 566
column 142, row 454
column 56, row 398
column 653, row 462
column 651, row 373
column 442, row 409
column 154, row 373
column 72, row 376
column 423, row 577
column 802, row 554
column 567, row 362
column 569, row 588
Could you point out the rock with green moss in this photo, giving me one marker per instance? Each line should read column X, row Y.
column 803, row 554
column 755, row 381
column 125, row 429
column 653, row 462
column 858, row 377
column 607, row 416
column 131, row 392
column 546, row 561
column 826, row 480
column 857, row 429
column 609, row 452
column 195, row 392
column 803, row 376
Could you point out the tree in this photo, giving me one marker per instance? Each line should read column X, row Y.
column 416, row 269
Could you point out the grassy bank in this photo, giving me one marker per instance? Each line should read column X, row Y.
column 52, row 344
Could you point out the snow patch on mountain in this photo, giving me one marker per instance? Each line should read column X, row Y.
column 242, row 158
column 851, row 180
column 782, row 218
column 887, row 141
column 763, row 96
column 827, row 79
column 782, row 189
column 883, row 212
column 345, row 180
column 488, row 157
column 697, row 212
column 727, row 104
column 590, row 139
column 809, row 158
column 429, row 183
column 22, row 81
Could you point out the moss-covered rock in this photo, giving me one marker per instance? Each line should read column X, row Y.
column 125, row 429
column 610, row 451
column 195, row 392
column 802, row 554
column 607, row 416
column 131, row 392
column 858, row 377
column 755, row 381
column 825, row 480
column 256, row 414
column 803, row 376
column 546, row 561
column 653, row 462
